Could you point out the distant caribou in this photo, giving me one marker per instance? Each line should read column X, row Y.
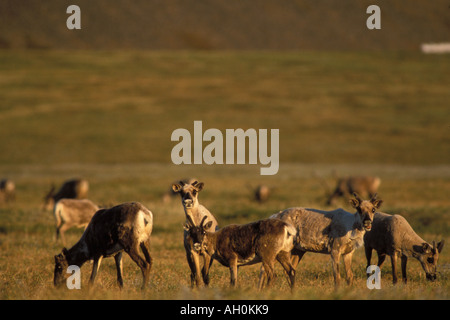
column 366, row 186
column 72, row 213
column 262, row 193
column 71, row 189
column 7, row 190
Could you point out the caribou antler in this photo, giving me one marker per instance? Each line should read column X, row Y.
column 355, row 202
column 374, row 197
column 357, row 197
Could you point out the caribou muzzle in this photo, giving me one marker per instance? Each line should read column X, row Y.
column 367, row 224
column 431, row 276
column 197, row 247
column 188, row 203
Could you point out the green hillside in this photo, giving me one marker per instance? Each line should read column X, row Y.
column 122, row 107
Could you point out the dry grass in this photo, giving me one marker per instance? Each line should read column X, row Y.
column 27, row 243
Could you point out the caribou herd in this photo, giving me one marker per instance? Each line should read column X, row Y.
column 282, row 237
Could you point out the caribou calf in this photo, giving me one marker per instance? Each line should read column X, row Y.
column 194, row 212
column 126, row 227
column 72, row 213
column 392, row 235
column 239, row 245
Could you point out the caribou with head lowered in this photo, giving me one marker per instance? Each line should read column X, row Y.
column 126, row 227
column 392, row 235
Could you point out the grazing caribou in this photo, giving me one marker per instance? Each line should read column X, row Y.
column 392, row 235
column 126, row 227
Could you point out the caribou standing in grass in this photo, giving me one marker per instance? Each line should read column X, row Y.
column 392, row 235
column 7, row 190
column 195, row 212
column 71, row 189
column 126, row 227
column 337, row 233
column 71, row 213
column 239, row 245
column 262, row 193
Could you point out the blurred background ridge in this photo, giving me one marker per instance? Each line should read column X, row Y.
column 219, row 25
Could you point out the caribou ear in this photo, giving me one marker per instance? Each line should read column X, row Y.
column 355, row 202
column 203, row 221
column 199, row 186
column 377, row 203
column 208, row 225
column 440, row 245
column 176, row 187
column 59, row 258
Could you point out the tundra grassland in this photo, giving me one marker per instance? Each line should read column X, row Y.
column 107, row 116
